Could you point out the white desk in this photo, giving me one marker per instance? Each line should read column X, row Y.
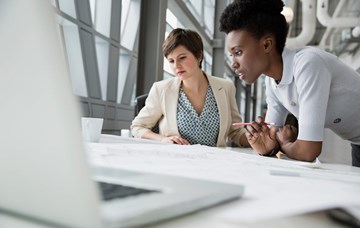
column 323, row 187
column 269, row 200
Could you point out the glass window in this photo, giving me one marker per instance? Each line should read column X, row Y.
column 171, row 19
column 101, row 15
column 207, row 62
column 172, row 23
column 209, row 15
column 53, row 2
column 74, row 57
column 124, row 63
column 68, row 7
column 125, row 4
column 102, row 54
column 204, row 12
column 130, row 17
column 195, row 6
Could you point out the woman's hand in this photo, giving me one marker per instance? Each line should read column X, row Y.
column 175, row 139
column 287, row 134
column 262, row 138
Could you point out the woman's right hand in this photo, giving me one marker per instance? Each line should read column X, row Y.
column 262, row 138
column 175, row 139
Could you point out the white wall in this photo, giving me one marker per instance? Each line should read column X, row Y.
column 335, row 149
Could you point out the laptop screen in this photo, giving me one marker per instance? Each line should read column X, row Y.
column 43, row 168
column 44, row 171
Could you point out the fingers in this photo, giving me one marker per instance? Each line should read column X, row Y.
column 294, row 129
column 258, row 127
column 248, row 131
column 254, row 128
column 288, row 129
column 179, row 140
column 273, row 133
column 287, row 134
column 251, row 138
column 260, row 119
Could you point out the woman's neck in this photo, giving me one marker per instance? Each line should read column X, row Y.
column 276, row 68
column 198, row 82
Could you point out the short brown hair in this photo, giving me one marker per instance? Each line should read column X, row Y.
column 191, row 40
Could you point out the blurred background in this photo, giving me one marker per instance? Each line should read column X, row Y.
column 113, row 50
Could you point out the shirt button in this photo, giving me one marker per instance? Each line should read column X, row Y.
column 292, row 103
column 337, row 120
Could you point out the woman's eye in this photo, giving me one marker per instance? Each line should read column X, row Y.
column 238, row 53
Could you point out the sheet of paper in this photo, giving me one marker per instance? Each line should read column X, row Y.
column 266, row 195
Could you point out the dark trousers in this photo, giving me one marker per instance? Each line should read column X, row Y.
column 355, row 154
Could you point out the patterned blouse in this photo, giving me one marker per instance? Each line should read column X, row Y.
column 203, row 129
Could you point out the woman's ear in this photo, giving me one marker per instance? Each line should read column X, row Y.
column 201, row 56
column 268, row 43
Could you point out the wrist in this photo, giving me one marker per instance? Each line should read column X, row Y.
column 274, row 151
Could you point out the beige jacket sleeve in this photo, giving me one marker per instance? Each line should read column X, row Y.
column 224, row 92
column 160, row 107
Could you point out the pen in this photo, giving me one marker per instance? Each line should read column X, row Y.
column 245, row 124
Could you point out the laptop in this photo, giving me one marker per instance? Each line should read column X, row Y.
column 44, row 172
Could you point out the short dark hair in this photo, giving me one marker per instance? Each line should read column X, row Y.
column 190, row 39
column 258, row 17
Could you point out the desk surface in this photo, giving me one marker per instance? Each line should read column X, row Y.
column 202, row 219
column 270, row 199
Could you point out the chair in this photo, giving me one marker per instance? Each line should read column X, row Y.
column 140, row 103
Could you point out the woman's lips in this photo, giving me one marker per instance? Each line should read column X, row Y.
column 180, row 72
column 240, row 74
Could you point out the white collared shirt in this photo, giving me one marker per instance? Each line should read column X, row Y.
column 320, row 91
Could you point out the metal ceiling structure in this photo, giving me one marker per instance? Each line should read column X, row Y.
column 332, row 25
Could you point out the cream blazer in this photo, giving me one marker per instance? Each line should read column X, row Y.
column 161, row 106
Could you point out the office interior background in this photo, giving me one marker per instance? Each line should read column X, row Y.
column 113, row 50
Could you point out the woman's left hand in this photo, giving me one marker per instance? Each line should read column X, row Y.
column 175, row 139
column 287, row 134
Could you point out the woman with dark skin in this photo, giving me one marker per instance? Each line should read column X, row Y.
column 313, row 85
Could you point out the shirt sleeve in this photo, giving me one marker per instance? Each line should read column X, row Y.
column 276, row 112
column 313, row 80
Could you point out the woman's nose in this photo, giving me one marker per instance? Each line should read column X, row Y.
column 235, row 65
column 176, row 63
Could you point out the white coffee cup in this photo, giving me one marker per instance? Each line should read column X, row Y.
column 126, row 133
column 91, row 128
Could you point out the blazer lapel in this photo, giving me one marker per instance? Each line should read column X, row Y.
column 221, row 100
column 171, row 102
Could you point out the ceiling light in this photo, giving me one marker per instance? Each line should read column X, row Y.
column 288, row 14
column 356, row 32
